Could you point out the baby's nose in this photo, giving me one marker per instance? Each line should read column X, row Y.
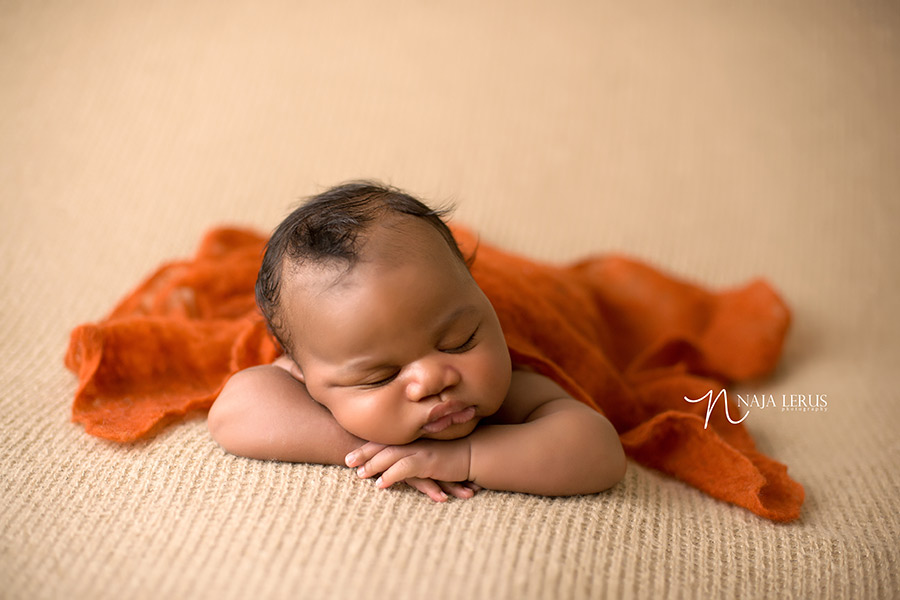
column 431, row 380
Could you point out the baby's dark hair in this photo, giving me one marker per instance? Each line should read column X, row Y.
column 327, row 227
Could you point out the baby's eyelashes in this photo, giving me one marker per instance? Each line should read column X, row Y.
column 383, row 380
column 465, row 346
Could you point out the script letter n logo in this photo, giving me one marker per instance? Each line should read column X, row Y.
column 708, row 396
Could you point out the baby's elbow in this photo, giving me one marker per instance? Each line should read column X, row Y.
column 217, row 423
column 594, row 455
column 616, row 466
column 611, row 461
column 227, row 417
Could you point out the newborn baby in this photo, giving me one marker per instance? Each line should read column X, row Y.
column 395, row 363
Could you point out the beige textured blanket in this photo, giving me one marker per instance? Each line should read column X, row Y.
column 719, row 142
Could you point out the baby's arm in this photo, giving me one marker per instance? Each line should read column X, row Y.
column 265, row 413
column 555, row 446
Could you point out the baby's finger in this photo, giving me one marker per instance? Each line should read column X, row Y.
column 457, row 489
column 362, row 454
column 404, row 468
column 398, row 457
column 429, row 487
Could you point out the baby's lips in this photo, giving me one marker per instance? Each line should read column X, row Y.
column 443, row 409
column 454, row 418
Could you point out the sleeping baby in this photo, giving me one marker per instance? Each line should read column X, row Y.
column 395, row 363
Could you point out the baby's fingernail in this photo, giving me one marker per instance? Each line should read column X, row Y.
column 361, row 472
column 443, row 496
column 350, row 459
column 378, row 482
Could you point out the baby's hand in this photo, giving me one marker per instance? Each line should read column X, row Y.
column 438, row 490
column 435, row 468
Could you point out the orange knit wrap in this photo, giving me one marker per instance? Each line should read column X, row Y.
column 618, row 335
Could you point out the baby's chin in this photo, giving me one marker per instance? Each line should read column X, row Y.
column 454, row 432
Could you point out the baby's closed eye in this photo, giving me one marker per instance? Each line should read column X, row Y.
column 381, row 380
column 465, row 346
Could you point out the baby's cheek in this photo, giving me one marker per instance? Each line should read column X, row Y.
column 375, row 424
column 502, row 376
column 492, row 379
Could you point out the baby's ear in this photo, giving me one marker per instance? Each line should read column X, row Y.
column 296, row 373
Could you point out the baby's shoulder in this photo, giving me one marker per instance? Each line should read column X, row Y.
column 527, row 391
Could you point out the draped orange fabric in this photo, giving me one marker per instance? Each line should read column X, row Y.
column 618, row 335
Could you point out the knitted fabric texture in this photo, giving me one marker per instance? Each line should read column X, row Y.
column 618, row 335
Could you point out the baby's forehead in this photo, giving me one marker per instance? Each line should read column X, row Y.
column 397, row 237
column 405, row 251
column 393, row 240
column 401, row 244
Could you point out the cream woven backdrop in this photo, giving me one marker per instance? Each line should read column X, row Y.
column 717, row 140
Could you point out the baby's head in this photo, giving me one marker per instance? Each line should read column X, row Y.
column 369, row 294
